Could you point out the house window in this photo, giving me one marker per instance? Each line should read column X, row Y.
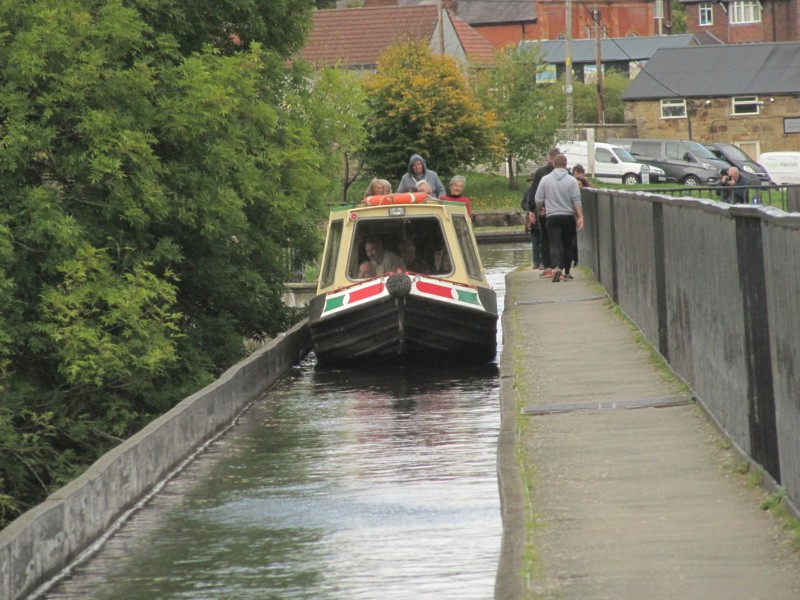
column 744, row 11
column 746, row 105
column 673, row 109
column 706, row 16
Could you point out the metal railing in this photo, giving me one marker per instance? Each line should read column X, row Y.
column 785, row 197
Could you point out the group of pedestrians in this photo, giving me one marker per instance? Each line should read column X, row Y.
column 554, row 215
column 419, row 178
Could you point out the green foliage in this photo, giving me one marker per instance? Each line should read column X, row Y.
column 420, row 102
column 338, row 121
column 530, row 114
column 152, row 205
column 585, row 99
column 278, row 25
column 677, row 18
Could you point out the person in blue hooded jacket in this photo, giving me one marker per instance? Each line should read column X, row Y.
column 418, row 171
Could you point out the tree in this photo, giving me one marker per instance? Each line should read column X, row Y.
column 152, row 205
column 339, row 122
column 585, row 99
column 677, row 19
column 420, row 102
column 278, row 25
column 530, row 113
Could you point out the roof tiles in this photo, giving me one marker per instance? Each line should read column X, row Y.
column 358, row 36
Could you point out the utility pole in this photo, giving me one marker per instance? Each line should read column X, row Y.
column 568, row 72
column 598, row 31
column 441, row 27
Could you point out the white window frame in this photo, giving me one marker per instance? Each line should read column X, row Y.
column 745, row 105
column 705, row 14
column 673, row 109
column 744, row 11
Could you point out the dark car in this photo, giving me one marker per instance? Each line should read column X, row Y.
column 737, row 157
column 686, row 162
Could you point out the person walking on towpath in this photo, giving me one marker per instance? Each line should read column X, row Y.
column 538, row 216
column 560, row 197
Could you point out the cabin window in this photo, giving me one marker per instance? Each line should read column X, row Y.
column 673, row 109
column 422, row 236
column 706, row 14
column 746, row 105
column 468, row 251
column 331, row 253
column 744, row 11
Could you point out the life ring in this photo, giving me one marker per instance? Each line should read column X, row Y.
column 404, row 198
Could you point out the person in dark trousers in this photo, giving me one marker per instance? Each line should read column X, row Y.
column 532, row 228
column 560, row 196
column 733, row 190
column 579, row 173
column 539, row 213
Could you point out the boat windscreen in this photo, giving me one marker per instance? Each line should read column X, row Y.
column 413, row 239
column 467, row 244
column 332, row 246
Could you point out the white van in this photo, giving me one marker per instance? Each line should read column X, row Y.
column 783, row 167
column 610, row 163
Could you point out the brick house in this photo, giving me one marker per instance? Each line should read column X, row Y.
column 356, row 38
column 745, row 94
column 506, row 23
column 737, row 21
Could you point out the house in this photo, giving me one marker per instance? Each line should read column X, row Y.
column 356, row 37
column 623, row 55
column 507, row 22
column 737, row 21
column 745, row 94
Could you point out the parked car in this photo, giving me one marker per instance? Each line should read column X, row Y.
column 739, row 158
column 683, row 161
column 609, row 163
column 783, row 167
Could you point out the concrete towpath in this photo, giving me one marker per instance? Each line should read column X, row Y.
column 613, row 483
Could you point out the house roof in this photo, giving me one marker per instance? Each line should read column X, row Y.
column 490, row 12
column 479, row 50
column 358, row 36
column 726, row 70
column 487, row 12
column 611, row 49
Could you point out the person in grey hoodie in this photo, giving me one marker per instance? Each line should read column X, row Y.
column 560, row 196
column 418, row 171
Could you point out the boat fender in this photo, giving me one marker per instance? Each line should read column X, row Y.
column 398, row 285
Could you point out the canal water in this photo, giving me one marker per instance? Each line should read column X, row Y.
column 337, row 484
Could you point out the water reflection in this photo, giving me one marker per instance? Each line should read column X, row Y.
column 337, row 485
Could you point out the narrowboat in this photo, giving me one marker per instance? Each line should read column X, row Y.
column 401, row 280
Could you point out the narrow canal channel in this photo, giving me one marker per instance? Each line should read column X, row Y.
column 338, row 484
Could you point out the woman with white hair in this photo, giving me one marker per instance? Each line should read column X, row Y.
column 457, row 185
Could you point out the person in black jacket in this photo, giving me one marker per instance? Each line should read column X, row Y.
column 539, row 217
column 732, row 190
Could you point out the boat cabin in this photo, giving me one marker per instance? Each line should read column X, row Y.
column 438, row 232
